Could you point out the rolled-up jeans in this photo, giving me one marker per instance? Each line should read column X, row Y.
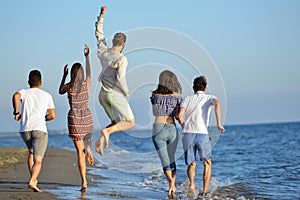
column 165, row 140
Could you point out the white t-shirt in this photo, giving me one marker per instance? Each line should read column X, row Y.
column 35, row 103
column 197, row 112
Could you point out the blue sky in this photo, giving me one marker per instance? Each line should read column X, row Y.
column 254, row 44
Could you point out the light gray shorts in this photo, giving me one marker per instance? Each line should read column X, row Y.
column 115, row 105
column 37, row 141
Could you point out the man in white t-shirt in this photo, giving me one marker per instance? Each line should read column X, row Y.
column 196, row 109
column 37, row 108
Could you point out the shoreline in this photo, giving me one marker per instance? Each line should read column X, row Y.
column 59, row 169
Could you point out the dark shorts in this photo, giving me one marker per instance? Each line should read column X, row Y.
column 193, row 143
column 37, row 141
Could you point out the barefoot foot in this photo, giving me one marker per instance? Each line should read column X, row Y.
column 172, row 193
column 202, row 195
column 33, row 186
column 105, row 134
column 99, row 146
column 90, row 158
column 83, row 189
column 191, row 191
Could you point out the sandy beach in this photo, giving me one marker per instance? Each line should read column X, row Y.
column 59, row 169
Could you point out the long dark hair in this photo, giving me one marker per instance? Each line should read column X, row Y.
column 168, row 84
column 77, row 76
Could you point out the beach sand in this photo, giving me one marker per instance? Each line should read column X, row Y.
column 59, row 169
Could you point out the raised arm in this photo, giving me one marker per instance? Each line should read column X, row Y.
column 87, row 66
column 63, row 88
column 217, row 105
column 102, row 11
column 99, row 29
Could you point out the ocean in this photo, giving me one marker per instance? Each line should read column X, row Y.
column 249, row 162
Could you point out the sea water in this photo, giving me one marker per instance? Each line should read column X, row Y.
column 249, row 162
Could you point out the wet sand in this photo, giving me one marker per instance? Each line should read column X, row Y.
column 59, row 169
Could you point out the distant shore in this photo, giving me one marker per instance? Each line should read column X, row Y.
column 59, row 169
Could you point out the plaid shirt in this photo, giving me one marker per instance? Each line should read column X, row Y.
column 165, row 105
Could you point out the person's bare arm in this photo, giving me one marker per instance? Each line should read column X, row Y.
column 87, row 66
column 177, row 113
column 63, row 88
column 217, row 105
column 181, row 116
column 177, row 107
column 152, row 109
column 102, row 11
column 15, row 101
column 51, row 114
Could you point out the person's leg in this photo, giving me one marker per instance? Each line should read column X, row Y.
column 39, row 144
column 81, row 162
column 87, row 142
column 205, row 156
column 36, row 169
column 105, row 100
column 120, row 105
column 112, row 128
column 171, row 179
column 30, row 161
column 99, row 145
column 189, row 147
column 191, row 175
column 171, row 149
column 120, row 126
column 159, row 138
column 26, row 136
column 206, row 175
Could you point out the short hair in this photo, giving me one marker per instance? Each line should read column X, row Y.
column 199, row 84
column 119, row 39
column 34, row 78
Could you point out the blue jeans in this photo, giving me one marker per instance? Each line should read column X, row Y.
column 165, row 140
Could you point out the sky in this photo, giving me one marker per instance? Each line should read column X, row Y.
column 248, row 49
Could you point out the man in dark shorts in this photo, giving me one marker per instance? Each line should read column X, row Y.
column 196, row 108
